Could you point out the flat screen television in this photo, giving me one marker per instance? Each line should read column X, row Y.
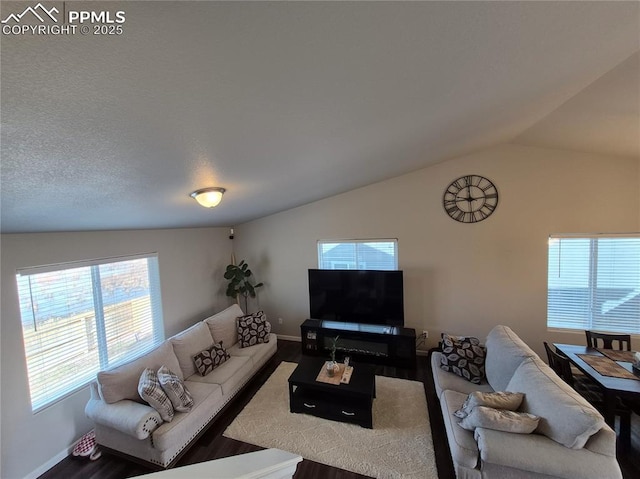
column 357, row 296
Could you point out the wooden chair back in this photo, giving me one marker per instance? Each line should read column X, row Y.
column 560, row 364
column 624, row 340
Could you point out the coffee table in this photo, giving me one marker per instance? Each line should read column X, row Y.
column 351, row 403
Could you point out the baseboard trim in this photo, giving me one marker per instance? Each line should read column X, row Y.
column 289, row 338
column 50, row 463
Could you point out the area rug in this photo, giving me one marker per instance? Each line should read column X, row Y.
column 399, row 446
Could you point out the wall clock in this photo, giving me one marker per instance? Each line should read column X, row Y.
column 470, row 199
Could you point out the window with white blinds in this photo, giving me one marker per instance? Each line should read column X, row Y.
column 594, row 283
column 376, row 254
column 80, row 318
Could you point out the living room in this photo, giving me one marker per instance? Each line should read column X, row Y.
column 458, row 278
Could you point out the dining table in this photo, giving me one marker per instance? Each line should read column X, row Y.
column 611, row 369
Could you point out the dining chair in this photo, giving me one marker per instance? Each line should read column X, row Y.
column 624, row 340
column 589, row 390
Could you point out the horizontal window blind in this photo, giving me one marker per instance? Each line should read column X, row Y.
column 594, row 283
column 376, row 254
column 79, row 319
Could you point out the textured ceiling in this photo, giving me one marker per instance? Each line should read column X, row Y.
column 285, row 103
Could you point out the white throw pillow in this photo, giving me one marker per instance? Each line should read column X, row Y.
column 500, row 420
column 150, row 391
column 175, row 390
column 509, row 401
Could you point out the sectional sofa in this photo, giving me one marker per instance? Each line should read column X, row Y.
column 125, row 424
column 571, row 440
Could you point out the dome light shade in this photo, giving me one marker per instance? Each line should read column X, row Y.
column 208, row 197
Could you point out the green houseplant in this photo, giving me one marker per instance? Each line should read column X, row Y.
column 332, row 366
column 240, row 282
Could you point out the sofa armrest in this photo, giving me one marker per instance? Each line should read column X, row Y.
column 537, row 453
column 129, row 417
column 603, row 442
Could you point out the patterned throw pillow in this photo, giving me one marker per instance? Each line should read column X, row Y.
column 209, row 359
column 150, row 391
column 175, row 389
column 463, row 355
column 253, row 329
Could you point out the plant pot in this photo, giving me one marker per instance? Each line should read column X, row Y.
column 332, row 368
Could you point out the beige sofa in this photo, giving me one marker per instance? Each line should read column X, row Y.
column 571, row 441
column 125, row 424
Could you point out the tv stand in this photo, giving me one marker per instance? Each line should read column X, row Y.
column 371, row 343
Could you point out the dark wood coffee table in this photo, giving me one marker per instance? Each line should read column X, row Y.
column 350, row 403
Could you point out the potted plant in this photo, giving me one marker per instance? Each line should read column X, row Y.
column 240, row 282
column 332, row 366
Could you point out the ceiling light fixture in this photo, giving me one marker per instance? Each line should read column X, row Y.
column 208, row 197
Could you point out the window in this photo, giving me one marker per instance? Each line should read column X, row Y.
column 358, row 254
column 79, row 318
column 594, row 283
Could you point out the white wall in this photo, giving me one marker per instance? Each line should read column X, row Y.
column 191, row 263
column 459, row 278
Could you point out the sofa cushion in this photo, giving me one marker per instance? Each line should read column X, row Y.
column 505, row 352
column 207, row 399
column 230, row 375
column 257, row 353
column 209, row 359
column 464, row 357
column 444, row 380
column 253, row 329
column 565, row 416
column 175, row 390
column 506, row 400
column 122, row 382
column 190, row 342
column 223, row 325
column 150, row 391
column 500, row 420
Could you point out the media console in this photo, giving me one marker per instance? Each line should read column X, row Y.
column 372, row 343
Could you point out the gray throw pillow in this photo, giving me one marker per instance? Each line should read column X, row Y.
column 500, row 420
column 253, row 329
column 175, row 390
column 150, row 391
column 509, row 401
column 463, row 356
column 209, row 359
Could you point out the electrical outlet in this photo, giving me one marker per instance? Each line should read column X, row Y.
column 280, row 320
column 425, row 333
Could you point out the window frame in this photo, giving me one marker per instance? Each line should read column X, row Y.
column 360, row 265
column 102, row 320
column 594, row 309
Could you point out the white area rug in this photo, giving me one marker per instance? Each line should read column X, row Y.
column 399, row 445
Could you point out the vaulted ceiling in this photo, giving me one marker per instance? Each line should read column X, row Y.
column 284, row 103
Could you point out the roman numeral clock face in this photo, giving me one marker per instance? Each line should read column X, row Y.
column 470, row 199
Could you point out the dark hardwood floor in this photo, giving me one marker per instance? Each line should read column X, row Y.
column 212, row 445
